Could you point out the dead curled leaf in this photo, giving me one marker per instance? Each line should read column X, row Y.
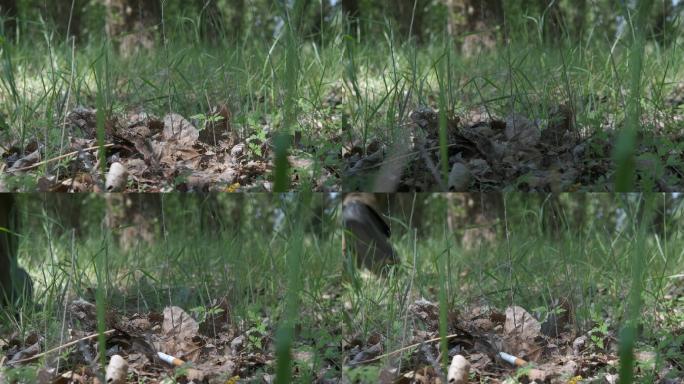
column 521, row 130
column 26, row 161
column 178, row 324
column 177, row 128
column 521, row 323
column 179, row 330
column 427, row 312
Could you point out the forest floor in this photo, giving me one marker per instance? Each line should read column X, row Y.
column 561, row 305
column 357, row 115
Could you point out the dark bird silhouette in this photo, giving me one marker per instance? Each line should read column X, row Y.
column 367, row 234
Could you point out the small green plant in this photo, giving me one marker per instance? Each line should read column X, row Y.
column 368, row 374
column 599, row 332
column 202, row 313
column 257, row 333
column 254, row 142
column 28, row 374
column 522, row 372
column 204, row 120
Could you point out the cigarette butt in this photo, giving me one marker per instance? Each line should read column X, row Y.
column 518, row 362
column 170, row 359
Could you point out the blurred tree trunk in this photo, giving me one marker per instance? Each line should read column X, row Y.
column 579, row 20
column 322, row 220
column 479, row 20
column 579, row 212
column 66, row 16
column 209, row 212
column 213, row 27
column 407, row 207
column 237, row 19
column 353, row 11
column 7, row 246
column 132, row 217
column 553, row 218
column 317, row 26
column 476, row 216
column 15, row 283
column 8, row 14
column 410, row 22
column 66, row 210
column 487, row 12
column 665, row 23
column 452, row 17
column 298, row 15
column 664, row 209
column 131, row 24
column 553, row 21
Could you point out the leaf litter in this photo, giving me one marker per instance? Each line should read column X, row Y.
column 147, row 153
column 515, row 152
column 484, row 344
column 493, row 346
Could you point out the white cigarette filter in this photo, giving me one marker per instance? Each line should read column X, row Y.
column 170, row 359
column 518, row 362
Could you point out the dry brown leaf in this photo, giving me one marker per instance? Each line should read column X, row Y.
column 177, row 128
column 521, row 323
column 521, row 130
column 179, row 324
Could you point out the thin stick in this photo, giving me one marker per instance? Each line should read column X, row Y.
column 69, row 344
column 38, row 164
column 406, row 348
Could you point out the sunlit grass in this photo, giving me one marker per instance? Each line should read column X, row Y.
column 274, row 259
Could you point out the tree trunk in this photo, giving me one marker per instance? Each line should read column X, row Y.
column 237, row 19
column 664, row 28
column 409, row 15
column 15, row 283
column 210, row 211
column 452, row 20
column 553, row 21
column 580, row 18
column 7, row 253
column 553, row 219
column 213, row 27
column 8, row 15
column 579, row 212
column 353, row 11
column 131, row 24
column 407, row 207
column 482, row 18
column 478, row 217
column 66, row 16
column 132, row 217
column 316, row 28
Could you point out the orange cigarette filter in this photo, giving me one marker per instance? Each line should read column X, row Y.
column 170, row 359
column 518, row 362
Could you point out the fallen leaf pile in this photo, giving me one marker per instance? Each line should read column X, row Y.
column 479, row 340
column 484, row 345
column 146, row 153
column 211, row 352
column 513, row 153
